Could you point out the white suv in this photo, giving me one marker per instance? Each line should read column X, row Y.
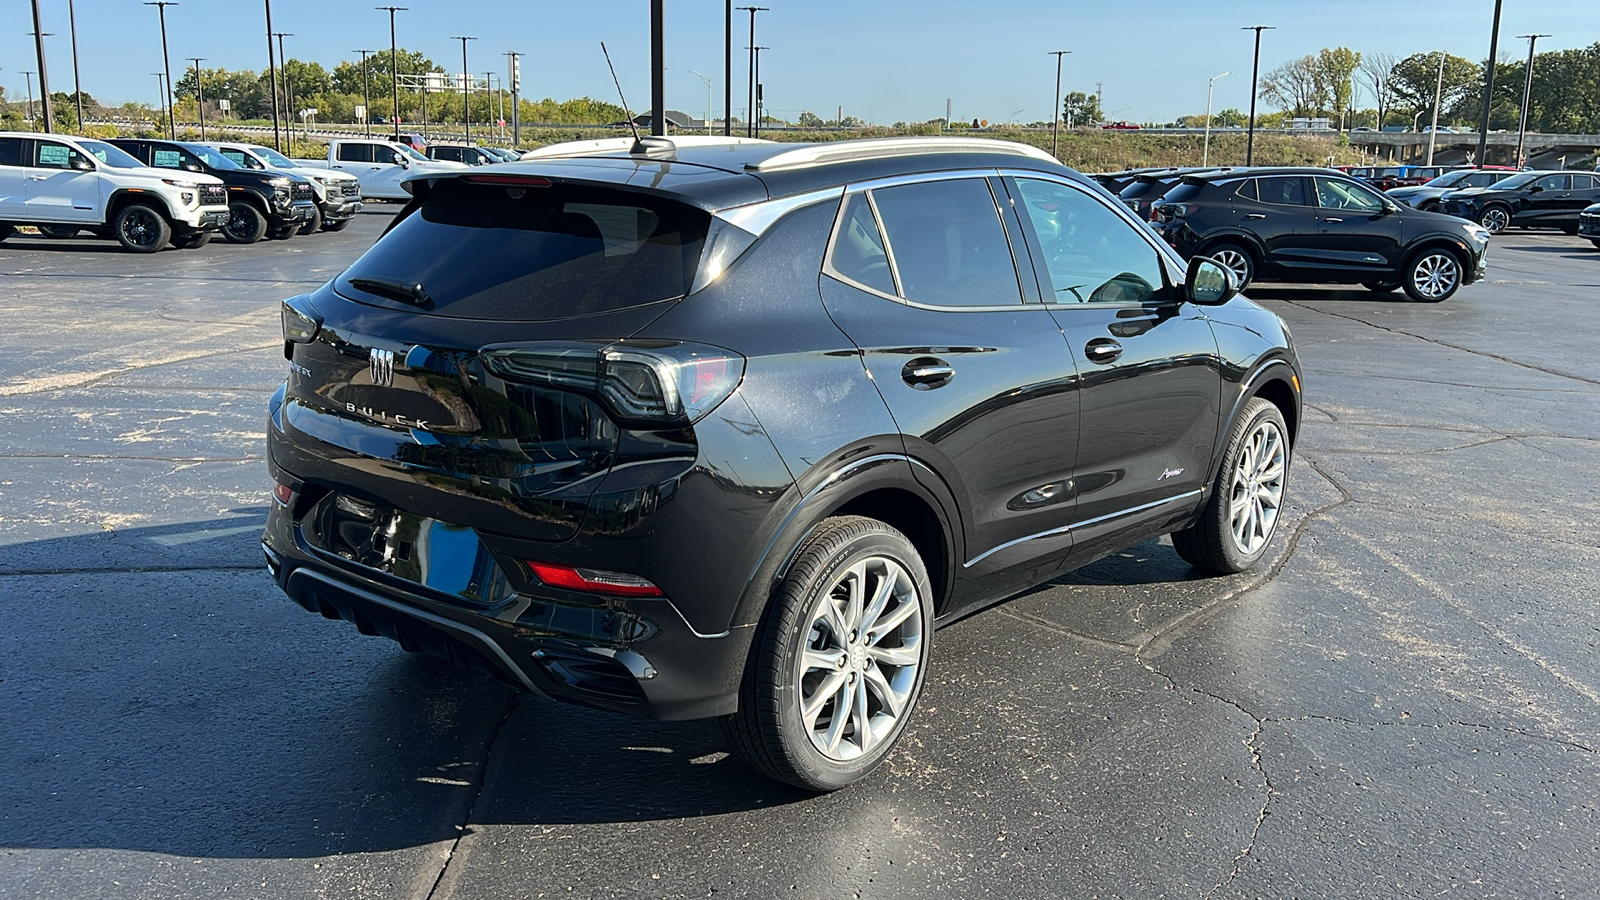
column 64, row 184
column 338, row 195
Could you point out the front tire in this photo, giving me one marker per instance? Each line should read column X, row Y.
column 141, row 229
column 1236, row 259
column 839, row 661
column 315, row 224
column 281, row 234
column 6, row 231
column 340, row 225
column 58, row 232
column 1433, row 275
column 1236, row 526
column 245, row 224
column 194, row 240
column 1594, row 242
column 1495, row 218
column 1381, row 287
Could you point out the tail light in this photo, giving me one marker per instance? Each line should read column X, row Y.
column 1166, row 212
column 594, row 581
column 643, row 383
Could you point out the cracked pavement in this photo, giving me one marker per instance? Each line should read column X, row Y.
column 1403, row 700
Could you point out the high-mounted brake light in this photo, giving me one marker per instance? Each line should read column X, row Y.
column 594, row 581
column 508, row 180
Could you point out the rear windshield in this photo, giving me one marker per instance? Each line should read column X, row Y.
column 493, row 251
column 1183, row 190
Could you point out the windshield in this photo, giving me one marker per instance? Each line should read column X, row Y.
column 1518, row 180
column 1450, row 178
column 274, row 158
column 111, row 156
column 211, row 157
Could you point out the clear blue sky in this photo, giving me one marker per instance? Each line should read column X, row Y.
column 883, row 60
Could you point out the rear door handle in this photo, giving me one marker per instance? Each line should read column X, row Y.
column 926, row 373
column 1333, row 219
column 1255, row 216
column 1102, row 350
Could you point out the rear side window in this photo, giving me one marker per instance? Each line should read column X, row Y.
column 1284, row 190
column 355, row 152
column 10, row 151
column 1552, row 183
column 948, row 244
column 1247, row 189
column 1582, row 182
column 491, row 251
column 858, row 251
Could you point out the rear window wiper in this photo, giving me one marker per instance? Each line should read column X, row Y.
column 412, row 293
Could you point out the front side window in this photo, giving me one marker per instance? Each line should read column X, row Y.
column 173, row 158
column 1335, row 194
column 51, row 155
column 240, row 158
column 948, row 244
column 355, row 152
column 858, row 249
column 1092, row 254
column 1283, row 190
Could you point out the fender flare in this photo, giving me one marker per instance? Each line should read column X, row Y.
column 1235, row 235
column 123, row 196
column 1271, row 369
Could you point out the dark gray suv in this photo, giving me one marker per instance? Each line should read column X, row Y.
column 725, row 428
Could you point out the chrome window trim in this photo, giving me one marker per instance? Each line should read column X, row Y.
column 1083, row 524
column 757, row 217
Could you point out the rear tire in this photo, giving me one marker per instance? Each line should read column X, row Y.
column 141, row 229
column 1236, row 526
column 1495, row 218
column 245, row 224
column 1237, row 259
column 58, row 232
column 839, row 659
column 6, row 231
column 1433, row 275
column 312, row 226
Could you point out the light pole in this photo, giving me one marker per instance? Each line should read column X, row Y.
column 272, row 67
column 516, row 86
column 166, row 60
column 1205, row 155
column 1488, row 85
column 1438, row 98
column 366, row 92
column 658, row 67
column 288, row 85
column 1255, row 77
column 466, row 86
column 200, row 92
column 394, row 69
column 1055, row 105
column 77, row 85
column 749, row 125
column 708, row 97
column 162, row 87
column 1527, row 94
column 28, row 78
column 44, row 76
column 756, row 119
column 727, row 68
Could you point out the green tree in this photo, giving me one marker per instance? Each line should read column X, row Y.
column 347, row 75
column 810, row 119
column 1081, row 108
column 1335, row 71
column 1296, row 87
column 1415, row 78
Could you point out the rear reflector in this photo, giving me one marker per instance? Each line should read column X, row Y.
column 282, row 493
column 594, row 581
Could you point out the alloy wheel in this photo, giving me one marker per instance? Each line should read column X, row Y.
column 1495, row 219
column 1435, row 275
column 1236, row 262
column 858, row 668
column 1256, row 494
column 139, row 228
column 238, row 223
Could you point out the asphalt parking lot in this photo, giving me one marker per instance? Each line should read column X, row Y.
column 1404, row 701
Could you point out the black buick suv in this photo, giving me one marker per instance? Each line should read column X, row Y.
column 1319, row 226
column 726, row 429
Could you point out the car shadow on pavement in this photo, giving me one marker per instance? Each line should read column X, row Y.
column 1323, row 294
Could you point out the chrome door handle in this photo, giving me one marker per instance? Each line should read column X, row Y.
column 1333, row 219
column 1255, row 216
column 926, row 373
column 38, row 177
column 1102, row 350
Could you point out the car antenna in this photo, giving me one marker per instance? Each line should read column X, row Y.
column 632, row 125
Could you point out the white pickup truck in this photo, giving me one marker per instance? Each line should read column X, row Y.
column 338, row 195
column 63, row 185
column 380, row 166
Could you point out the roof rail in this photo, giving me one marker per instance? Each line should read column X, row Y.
column 879, row 148
column 626, row 144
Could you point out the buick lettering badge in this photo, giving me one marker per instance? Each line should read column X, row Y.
column 380, row 365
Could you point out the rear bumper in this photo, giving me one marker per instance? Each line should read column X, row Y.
column 635, row 656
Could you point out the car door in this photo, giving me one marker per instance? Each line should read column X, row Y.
column 1359, row 236
column 1585, row 193
column 1276, row 209
column 973, row 368
column 62, row 184
column 1548, row 198
column 1151, row 382
column 359, row 158
column 13, row 196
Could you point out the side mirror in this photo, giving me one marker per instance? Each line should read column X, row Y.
column 1535, row 189
column 402, row 160
column 81, row 164
column 1209, row 283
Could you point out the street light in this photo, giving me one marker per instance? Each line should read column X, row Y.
column 749, row 125
column 288, row 86
column 708, row 97
column 516, row 86
column 466, row 87
column 77, row 85
column 394, row 68
column 166, row 61
column 1488, row 85
column 366, row 91
column 28, row 79
column 1255, row 77
column 200, row 92
column 44, row 77
column 162, row 87
column 1205, row 155
column 1527, row 93
column 1438, row 98
column 272, row 67
column 1055, row 105
column 756, row 119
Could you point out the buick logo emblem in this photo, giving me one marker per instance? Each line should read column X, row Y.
column 380, row 365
